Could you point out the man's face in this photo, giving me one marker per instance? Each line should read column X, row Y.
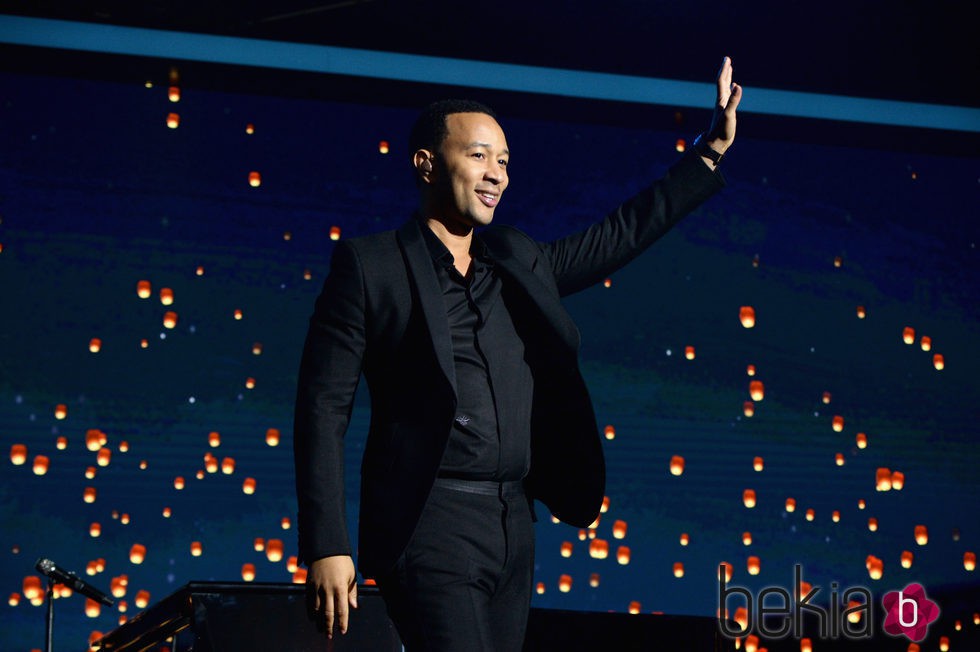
column 471, row 169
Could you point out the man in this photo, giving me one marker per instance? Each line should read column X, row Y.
column 477, row 403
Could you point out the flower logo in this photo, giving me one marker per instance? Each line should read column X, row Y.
column 909, row 612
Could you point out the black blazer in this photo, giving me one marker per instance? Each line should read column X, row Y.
column 381, row 312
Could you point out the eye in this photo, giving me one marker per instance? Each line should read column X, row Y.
column 502, row 162
column 480, row 155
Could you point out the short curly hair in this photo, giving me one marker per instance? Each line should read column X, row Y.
column 430, row 128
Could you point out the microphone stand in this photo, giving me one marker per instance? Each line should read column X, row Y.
column 49, row 618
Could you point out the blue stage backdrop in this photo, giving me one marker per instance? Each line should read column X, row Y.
column 789, row 377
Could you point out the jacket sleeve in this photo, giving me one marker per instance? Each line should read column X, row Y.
column 328, row 377
column 582, row 259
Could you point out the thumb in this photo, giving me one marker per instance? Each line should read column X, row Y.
column 352, row 597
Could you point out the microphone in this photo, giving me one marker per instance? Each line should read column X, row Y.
column 72, row 581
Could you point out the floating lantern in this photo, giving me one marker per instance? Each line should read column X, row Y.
column 228, row 465
column 254, row 179
column 169, row 319
column 908, row 335
column 103, row 457
column 124, row 446
column 31, row 587
column 689, row 352
column 143, row 289
column 610, row 433
column 88, row 495
column 582, row 535
column 755, row 261
column 839, row 459
column 137, row 553
column 970, row 560
column 758, row 464
column 883, row 479
column 14, row 599
column 166, row 296
column 873, row 524
column 623, row 555
column 259, row 544
column 335, row 233
column 594, row 580
column 753, row 565
column 292, row 564
column 728, row 569
column 790, row 505
column 272, row 436
column 746, row 538
column 854, row 617
column 143, row 465
column 60, row 411
column 299, row 577
column 199, row 271
column 861, row 503
column 826, row 398
column 167, row 512
column 285, row 523
column 680, row 145
column 566, row 548
column 835, row 516
column 875, row 567
column 750, row 370
column 94, row 345
column 861, row 440
column 144, row 344
column 757, row 390
column 837, row 423
column 248, row 486
column 142, row 599
column 678, row 569
column 605, row 505
column 806, row 645
column 861, row 312
column 179, row 482
column 92, row 608
column 539, row 588
column 906, row 559
column 210, row 463
column 274, row 550
column 124, row 519
column 383, row 147
column 173, row 120
column 685, row 538
column 196, row 549
column 748, row 498
column 237, row 314
column 898, row 480
column 307, row 275
column 173, row 94
column 810, row 514
column 117, row 586
column 595, row 523
column 742, row 618
column 249, row 129
column 938, row 362
column 94, row 530
column 921, row 535
column 257, row 348
column 619, row 530
column 634, row 607
column 943, row 644
column 676, row 465
column 214, row 439
column 18, row 454
column 248, row 572
column 565, row 583
column 751, row 643
column 598, row 548
column 748, row 408
column 926, row 343
column 746, row 315
column 41, row 464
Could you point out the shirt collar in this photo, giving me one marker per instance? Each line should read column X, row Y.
column 440, row 253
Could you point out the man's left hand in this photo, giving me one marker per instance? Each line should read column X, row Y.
column 721, row 135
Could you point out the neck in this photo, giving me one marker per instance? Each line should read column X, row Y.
column 457, row 237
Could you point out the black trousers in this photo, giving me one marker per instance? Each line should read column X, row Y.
column 464, row 581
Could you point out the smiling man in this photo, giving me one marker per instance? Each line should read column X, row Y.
column 478, row 406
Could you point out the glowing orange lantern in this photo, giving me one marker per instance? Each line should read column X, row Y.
column 144, row 343
column 228, row 466
column 248, row 486
column 810, row 514
column 88, row 495
column 594, row 580
column 742, row 618
column 605, row 505
column 335, row 233
column 200, row 270
column 873, row 524
column 758, row 464
column 210, row 463
column 565, row 583
column 60, row 411
column 598, row 548
column 292, row 564
column 921, row 535
column 610, row 433
column 837, row 423
column 861, row 440
column 166, row 296
column 272, row 436
column 173, row 93
column 875, row 567
column 925, row 342
column 254, row 179
column 685, row 538
column 179, row 482
column 124, row 446
column 285, row 523
column 861, row 313
column 92, row 608
column 196, row 549
column 582, row 535
column 14, row 599
column 169, row 319
column 249, row 129
column 539, row 588
column 623, row 555
column 757, row 390
column 248, row 572
column 124, row 519
column 748, row 498
column 143, row 289
column 249, row 383
column 861, row 503
column 839, row 459
column 173, row 120
column 938, row 362
column 753, row 565
column 595, row 523
column 678, row 569
column 94, row 530
column 835, row 516
column 137, row 553
column 142, row 599
column 746, row 314
column 607, row 283
column 854, row 616
column 41, row 464
column 751, row 643
column 883, row 479
column 307, row 275
column 676, row 465
column 18, row 454
column 750, row 370
column 167, row 512
column 898, row 480
column 619, row 529
column 299, row 577
column 566, row 548
column 970, row 560
column 826, row 398
column 634, row 607
column 748, row 408
column 790, row 504
column 908, row 335
column 214, row 439
column 200, row 474
column 728, row 568
column 259, row 544
column 689, row 352
column 31, row 587
column 103, row 457
column 383, row 147
column 95, row 345
column 680, row 145
column 906, row 559
column 806, row 645
column 943, row 644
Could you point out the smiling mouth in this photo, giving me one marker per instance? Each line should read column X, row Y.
column 488, row 199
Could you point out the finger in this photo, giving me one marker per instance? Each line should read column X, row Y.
column 735, row 99
column 724, row 82
column 353, row 595
column 328, row 613
column 341, row 617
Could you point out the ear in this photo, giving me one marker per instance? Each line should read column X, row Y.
column 422, row 159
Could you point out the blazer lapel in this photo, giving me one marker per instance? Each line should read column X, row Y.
column 420, row 268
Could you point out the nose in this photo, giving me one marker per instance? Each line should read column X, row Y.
column 496, row 173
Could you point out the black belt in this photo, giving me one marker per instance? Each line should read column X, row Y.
column 504, row 489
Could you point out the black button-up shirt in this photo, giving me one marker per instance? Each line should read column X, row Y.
column 490, row 438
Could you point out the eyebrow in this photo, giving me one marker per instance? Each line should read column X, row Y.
column 486, row 146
